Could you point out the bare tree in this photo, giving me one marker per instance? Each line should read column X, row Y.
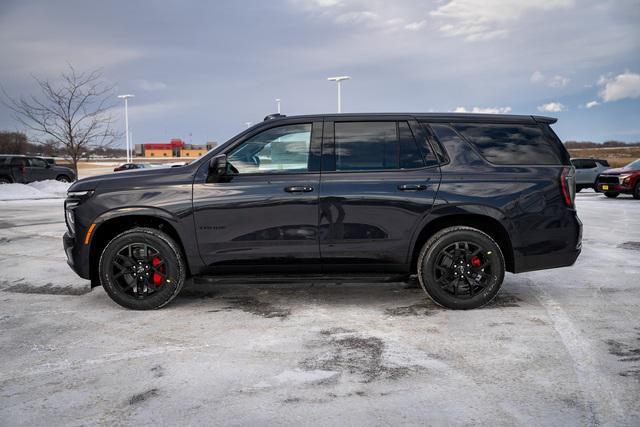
column 75, row 112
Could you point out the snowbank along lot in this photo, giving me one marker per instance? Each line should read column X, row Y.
column 557, row 347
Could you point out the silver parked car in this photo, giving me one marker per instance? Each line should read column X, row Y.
column 587, row 170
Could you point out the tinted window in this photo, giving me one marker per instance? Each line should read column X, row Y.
column 280, row 149
column 588, row 164
column 410, row 156
column 510, row 144
column 366, row 146
column 37, row 163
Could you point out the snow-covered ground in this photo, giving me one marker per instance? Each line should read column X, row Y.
column 557, row 347
column 49, row 189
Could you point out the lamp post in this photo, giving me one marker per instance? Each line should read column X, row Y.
column 339, row 79
column 126, row 122
column 278, row 104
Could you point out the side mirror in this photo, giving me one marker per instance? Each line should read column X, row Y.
column 218, row 165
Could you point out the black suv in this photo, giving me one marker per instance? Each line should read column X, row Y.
column 26, row 169
column 455, row 199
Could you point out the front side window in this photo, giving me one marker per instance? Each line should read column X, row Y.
column 280, row 149
column 37, row 163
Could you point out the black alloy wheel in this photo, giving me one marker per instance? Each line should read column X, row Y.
column 636, row 190
column 461, row 268
column 142, row 269
column 63, row 178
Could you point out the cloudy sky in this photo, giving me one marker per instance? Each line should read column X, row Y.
column 206, row 68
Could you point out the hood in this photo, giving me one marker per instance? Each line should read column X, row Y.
column 130, row 179
column 618, row 171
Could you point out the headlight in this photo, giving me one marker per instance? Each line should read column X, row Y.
column 79, row 194
column 625, row 178
column 70, row 219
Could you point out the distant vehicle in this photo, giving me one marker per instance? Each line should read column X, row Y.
column 131, row 166
column 26, row 169
column 455, row 199
column 624, row 180
column 587, row 170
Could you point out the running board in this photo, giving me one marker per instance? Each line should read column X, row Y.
column 302, row 278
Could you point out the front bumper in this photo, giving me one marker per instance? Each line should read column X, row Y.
column 77, row 255
column 613, row 188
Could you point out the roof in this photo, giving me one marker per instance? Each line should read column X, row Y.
column 440, row 117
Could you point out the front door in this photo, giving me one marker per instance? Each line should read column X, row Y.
column 379, row 181
column 266, row 215
column 37, row 169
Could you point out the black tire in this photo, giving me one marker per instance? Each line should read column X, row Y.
column 63, row 178
column 430, row 268
column 611, row 195
column 5, row 180
column 133, row 292
column 636, row 190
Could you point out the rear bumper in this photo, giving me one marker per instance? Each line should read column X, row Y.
column 568, row 247
column 77, row 256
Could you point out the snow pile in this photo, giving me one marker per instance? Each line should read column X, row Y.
column 49, row 189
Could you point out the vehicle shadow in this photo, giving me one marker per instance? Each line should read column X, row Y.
column 281, row 300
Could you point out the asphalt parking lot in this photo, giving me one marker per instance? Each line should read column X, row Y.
column 557, row 347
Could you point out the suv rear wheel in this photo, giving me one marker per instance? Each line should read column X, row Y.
column 142, row 269
column 461, row 268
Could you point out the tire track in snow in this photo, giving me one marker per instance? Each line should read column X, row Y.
column 600, row 399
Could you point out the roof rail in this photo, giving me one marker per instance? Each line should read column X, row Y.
column 274, row 116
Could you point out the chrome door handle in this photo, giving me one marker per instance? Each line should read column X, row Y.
column 412, row 187
column 298, row 189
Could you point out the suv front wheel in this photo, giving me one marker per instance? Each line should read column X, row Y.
column 142, row 269
column 461, row 268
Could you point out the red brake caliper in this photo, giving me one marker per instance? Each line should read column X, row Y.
column 157, row 279
column 475, row 261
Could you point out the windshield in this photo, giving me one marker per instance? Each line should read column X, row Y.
column 633, row 165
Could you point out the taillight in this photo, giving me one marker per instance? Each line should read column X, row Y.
column 568, row 185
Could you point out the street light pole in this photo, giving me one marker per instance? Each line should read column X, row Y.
column 278, row 104
column 339, row 80
column 126, row 123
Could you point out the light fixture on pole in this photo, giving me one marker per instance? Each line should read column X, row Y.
column 338, row 80
column 278, row 104
column 126, row 122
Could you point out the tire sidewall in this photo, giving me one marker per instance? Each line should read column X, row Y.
column 168, row 249
column 429, row 255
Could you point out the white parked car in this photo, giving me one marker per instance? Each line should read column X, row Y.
column 587, row 170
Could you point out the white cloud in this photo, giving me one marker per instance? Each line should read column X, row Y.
column 536, row 77
column 552, row 107
column 591, row 104
column 149, row 86
column 625, row 85
column 478, row 20
column 415, row 26
column 551, row 81
column 484, row 110
column 355, row 18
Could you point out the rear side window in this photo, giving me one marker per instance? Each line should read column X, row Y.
column 376, row 146
column 510, row 144
column 366, row 146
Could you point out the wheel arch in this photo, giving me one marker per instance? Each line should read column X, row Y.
column 114, row 223
column 484, row 222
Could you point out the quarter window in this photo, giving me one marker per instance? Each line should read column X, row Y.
column 280, row 149
column 510, row 144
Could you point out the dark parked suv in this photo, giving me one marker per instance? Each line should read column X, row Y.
column 455, row 199
column 26, row 169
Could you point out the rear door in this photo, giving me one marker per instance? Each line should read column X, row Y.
column 379, row 179
column 37, row 169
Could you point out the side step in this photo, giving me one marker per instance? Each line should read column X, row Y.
column 302, row 278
